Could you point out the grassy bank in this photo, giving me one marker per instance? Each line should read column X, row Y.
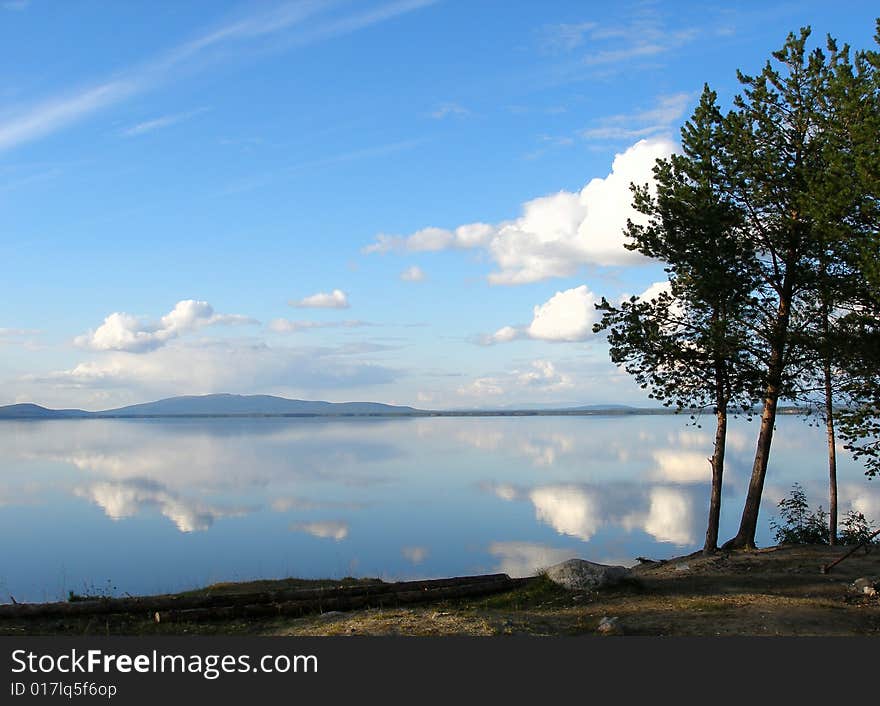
column 776, row 591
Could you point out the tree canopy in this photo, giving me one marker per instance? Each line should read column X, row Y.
column 767, row 222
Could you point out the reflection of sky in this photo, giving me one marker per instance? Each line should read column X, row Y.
column 160, row 505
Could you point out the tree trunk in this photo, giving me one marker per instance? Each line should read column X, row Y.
column 748, row 526
column 832, row 458
column 829, row 412
column 745, row 538
column 717, row 462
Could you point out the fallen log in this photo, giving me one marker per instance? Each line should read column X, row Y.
column 340, row 602
column 864, row 543
column 151, row 604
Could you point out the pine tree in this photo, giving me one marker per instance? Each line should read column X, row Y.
column 690, row 344
column 854, row 98
column 778, row 171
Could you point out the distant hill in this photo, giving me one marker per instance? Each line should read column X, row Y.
column 226, row 404
column 603, row 407
column 34, row 411
column 222, row 405
column 557, row 407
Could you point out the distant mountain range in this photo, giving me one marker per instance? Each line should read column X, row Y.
column 34, row 411
column 226, row 405
column 222, row 405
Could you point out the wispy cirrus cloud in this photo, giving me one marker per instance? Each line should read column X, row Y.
column 46, row 116
column 53, row 114
column 160, row 123
column 667, row 112
column 446, row 110
column 550, row 142
column 293, row 326
column 413, row 273
column 9, row 333
column 24, row 337
column 58, row 112
column 23, row 177
column 372, row 152
column 565, row 37
column 599, row 50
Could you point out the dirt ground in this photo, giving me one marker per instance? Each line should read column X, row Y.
column 776, row 591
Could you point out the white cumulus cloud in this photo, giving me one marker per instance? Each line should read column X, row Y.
column 681, row 466
column 337, row 299
column 655, row 290
column 555, row 235
column 125, row 332
column 327, row 529
column 122, row 499
column 566, row 317
column 432, row 239
column 568, row 509
column 504, row 335
column 670, row 517
column 526, row 558
column 541, row 376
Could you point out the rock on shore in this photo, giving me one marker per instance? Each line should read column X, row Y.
column 582, row 575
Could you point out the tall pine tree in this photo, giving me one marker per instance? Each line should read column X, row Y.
column 691, row 344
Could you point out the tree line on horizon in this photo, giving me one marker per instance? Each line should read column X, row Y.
column 767, row 223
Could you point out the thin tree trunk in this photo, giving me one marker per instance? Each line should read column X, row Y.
column 717, row 462
column 745, row 538
column 832, row 457
column 748, row 526
column 829, row 413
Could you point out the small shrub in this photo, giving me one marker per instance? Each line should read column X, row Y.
column 856, row 528
column 798, row 525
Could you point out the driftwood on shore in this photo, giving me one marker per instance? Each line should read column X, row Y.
column 290, row 602
column 864, row 543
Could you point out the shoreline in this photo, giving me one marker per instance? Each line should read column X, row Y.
column 773, row 591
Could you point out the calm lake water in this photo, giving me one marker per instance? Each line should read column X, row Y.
column 148, row 506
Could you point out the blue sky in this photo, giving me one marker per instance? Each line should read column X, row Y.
column 406, row 201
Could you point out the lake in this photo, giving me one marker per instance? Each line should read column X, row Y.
column 152, row 506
